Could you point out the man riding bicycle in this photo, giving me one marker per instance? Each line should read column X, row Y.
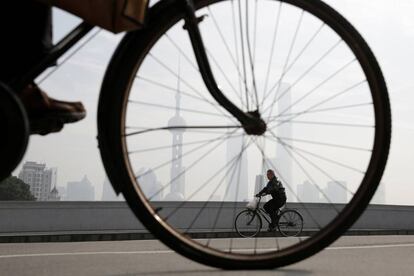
column 275, row 188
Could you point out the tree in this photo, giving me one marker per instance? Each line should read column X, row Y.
column 13, row 188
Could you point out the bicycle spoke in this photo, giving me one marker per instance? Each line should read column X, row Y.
column 336, row 108
column 272, row 49
column 185, row 127
column 163, row 164
column 308, row 43
column 232, row 162
column 172, row 89
column 271, row 165
column 249, row 50
column 243, row 55
column 325, row 158
column 169, row 146
column 318, row 86
column 183, row 81
column 326, row 123
column 191, row 166
column 286, row 63
column 224, row 42
column 323, row 102
column 324, row 171
column 310, row 178
column 225, row 76
column 236, row 196
column 310, row 68
column 222, row 202
column 181, row 109
column 322, row 143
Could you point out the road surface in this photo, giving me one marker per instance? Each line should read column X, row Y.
column 351, row 255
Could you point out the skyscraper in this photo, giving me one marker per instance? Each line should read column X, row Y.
column 237, row 182
column 307, row 192
column 150, row 185
column 282, row 159
column 259, row 184
column 177, row 182
column 336, row 192
column 80, row 190
column 39, row 178
column 108, row 193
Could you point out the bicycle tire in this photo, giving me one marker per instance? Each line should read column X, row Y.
column 242, row 231
column 298, row 219
column 111, row 126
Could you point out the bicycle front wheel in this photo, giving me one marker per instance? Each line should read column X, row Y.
column 248, row 224
column 185, row 165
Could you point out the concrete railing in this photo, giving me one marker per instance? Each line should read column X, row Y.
column 23, row 217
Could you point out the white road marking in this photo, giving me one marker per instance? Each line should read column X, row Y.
column 370, row 246
column 148, row 252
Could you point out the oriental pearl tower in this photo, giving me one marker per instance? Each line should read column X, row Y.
column 177, row 170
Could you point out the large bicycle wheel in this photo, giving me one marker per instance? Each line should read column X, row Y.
column 290, row 223
column 186, row 166
column 248, row 224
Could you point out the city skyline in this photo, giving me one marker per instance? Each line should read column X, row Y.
column 88, row 66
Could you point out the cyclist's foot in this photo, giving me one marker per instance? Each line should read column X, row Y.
column 47, row 115
column 271, row 227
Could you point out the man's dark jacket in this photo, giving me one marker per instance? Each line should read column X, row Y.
column 275, row 188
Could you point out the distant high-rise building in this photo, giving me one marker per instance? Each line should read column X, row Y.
column 237, row 182
column 177, row 182
column 80, row 190
column 307, row 192
column 259, row 184
column 335, row 191
column 151, row 187
column 61, row 192
column 282, row 159
column 108, row 193
column 54, row 195
column 39, row 178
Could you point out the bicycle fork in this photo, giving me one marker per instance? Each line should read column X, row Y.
column 251, row 121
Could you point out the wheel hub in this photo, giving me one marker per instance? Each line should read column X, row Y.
column 255, row 125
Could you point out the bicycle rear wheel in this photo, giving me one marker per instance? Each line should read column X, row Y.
column 185, row 165
column 248, row 224
column 290, row 223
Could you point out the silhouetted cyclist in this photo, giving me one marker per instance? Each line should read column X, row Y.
column 275, row 188
column 26, row 29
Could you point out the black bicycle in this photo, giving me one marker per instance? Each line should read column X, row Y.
column 211, row 93
column 249, row 222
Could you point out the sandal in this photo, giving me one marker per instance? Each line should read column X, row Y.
column 47, row 115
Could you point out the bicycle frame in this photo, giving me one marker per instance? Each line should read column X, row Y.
column 250, row 120
column 261, row 212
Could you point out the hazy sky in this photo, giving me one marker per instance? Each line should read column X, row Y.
column 387, row 26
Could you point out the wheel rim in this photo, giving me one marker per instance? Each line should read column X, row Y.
column 175, row 130
column 290, row 223
column 248, row 224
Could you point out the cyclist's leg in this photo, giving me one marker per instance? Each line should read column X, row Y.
column 23, row 23
column 280, row 202
column 30, row 23
column 270, row 208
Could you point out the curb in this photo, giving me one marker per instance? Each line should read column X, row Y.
column 131, row 235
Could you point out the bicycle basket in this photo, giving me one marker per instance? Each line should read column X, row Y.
column 252, row 204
